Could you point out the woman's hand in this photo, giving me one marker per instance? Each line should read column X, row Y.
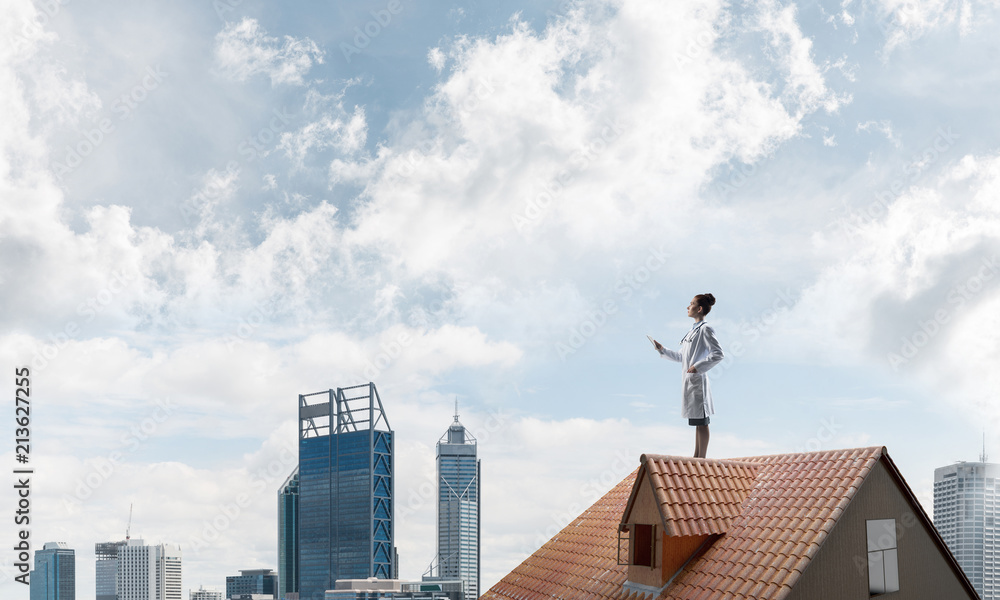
column 659, row 348
column 692, row 370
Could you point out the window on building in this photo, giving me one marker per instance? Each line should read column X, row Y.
column 883, row 565
column 643, row 549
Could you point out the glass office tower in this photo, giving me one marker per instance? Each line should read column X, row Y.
column 346, row 486
column 458, row 507
column 106, row 567
column 288, row 536
column 967, row 515
column 54, row 577
column 252, row 581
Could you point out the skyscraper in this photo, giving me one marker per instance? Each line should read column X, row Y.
column 203, row 593
column 346, row 484
column 966, row 507
column 54, row 576
column 458, row 507
column 107, row 569
column 149, row 572
column 288, row 536
column 252, row 581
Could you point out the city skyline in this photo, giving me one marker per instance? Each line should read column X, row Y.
column 950, row 512
column 207, row 208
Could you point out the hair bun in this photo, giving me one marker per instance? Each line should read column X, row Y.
column 710, row 298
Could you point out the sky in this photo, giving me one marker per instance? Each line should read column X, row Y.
column 208, row 208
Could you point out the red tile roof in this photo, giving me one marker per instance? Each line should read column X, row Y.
column 789, row 504
column 581, row 561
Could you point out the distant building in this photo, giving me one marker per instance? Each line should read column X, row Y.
column 346, row 483
column 107, row 569
column 832, row 525
column 967, row 514
column 288, row 536
column 458, row 508
column 149, row 572
column 395, row 589
column 54, row 576
column 251, row 582
column 203, row 593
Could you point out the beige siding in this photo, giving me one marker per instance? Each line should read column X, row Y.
column 645, row 510
column 840, row 569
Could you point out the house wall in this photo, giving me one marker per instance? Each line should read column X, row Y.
column 646, row 511
column 839, row 571
column 676, row 551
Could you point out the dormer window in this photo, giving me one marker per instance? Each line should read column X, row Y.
column 642, row 545
column 676, row 509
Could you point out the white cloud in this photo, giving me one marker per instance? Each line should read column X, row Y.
column 244, row 366
column 917, row 290
column 436, row 59
column 345, row 133
column 903, row 21
column 351, row 171
column 57, row 98
column 243, row 50
column 847, row 70
column 543, row 143
column 806, row 90
column 217, row 188
column 884, row 127
column 518, row 120
column 62, row 99
column 441, row 202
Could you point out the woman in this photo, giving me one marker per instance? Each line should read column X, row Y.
column 700, row 351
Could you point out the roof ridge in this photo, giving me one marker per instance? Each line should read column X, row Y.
column 839, row 451
column 692, row 459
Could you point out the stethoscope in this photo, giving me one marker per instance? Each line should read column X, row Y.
column 690, row 334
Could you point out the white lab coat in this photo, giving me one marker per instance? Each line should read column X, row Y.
column 699, row 349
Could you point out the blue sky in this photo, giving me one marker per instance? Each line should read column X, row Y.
column 209, row 208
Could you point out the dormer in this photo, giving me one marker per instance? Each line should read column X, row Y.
column 677, row 508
